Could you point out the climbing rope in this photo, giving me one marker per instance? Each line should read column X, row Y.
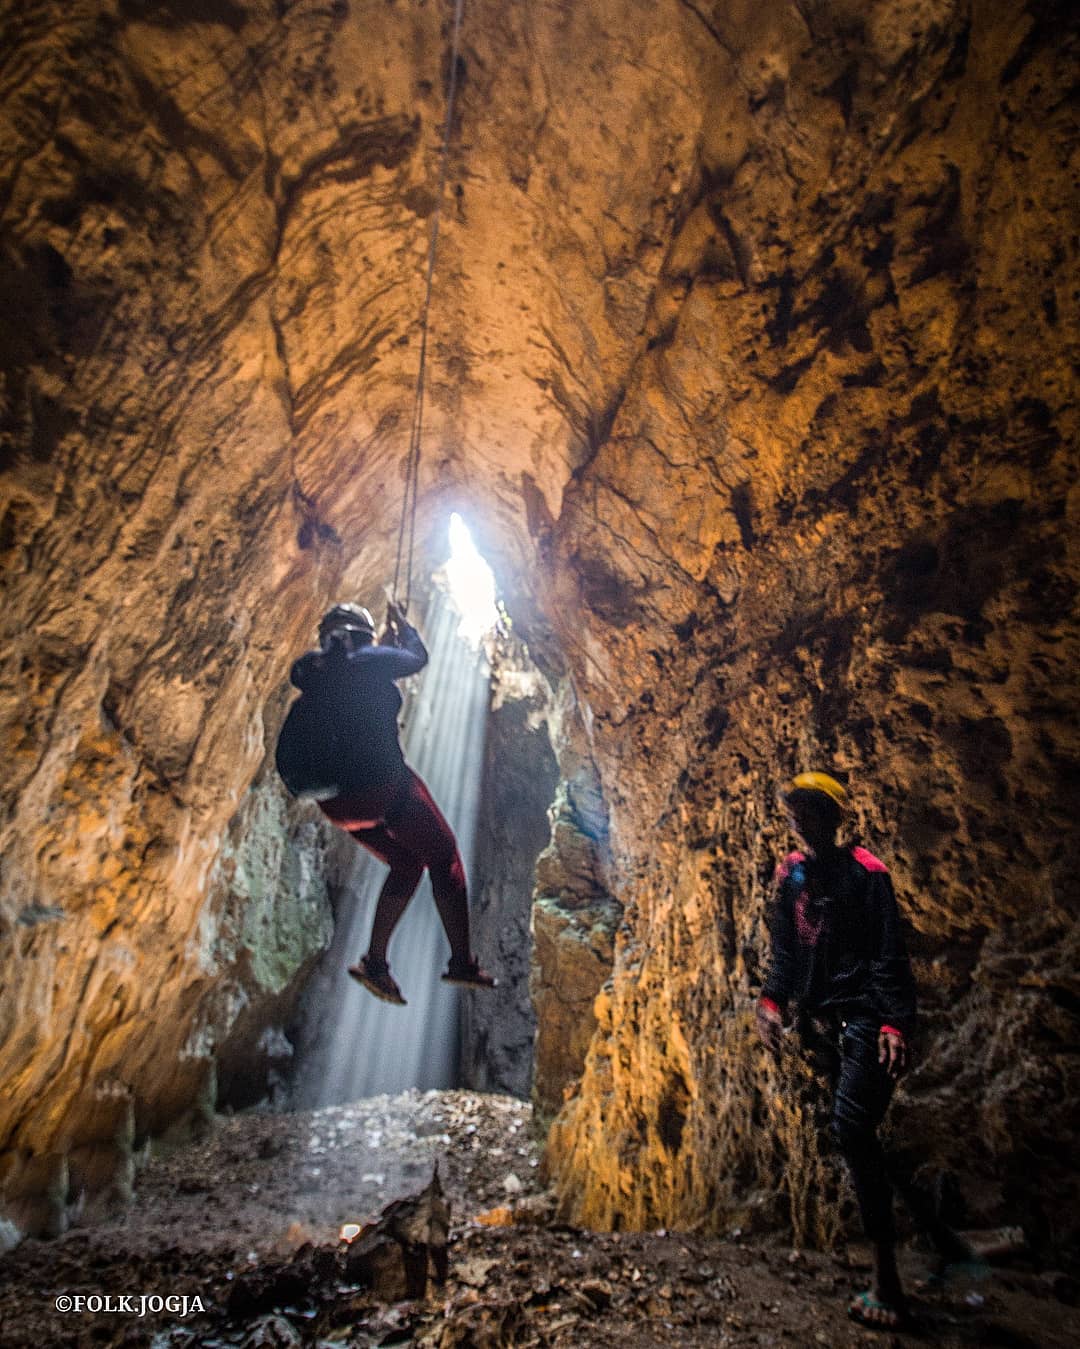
column 412, row 462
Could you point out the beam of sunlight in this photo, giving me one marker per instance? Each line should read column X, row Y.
column 352, row 1044
column 472, row 586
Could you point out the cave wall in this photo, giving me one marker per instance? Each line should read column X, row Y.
column 751, row 366
column 520, row 775
column 832, row 523
column 574, row 916
column 215, row 221
column 542, row 913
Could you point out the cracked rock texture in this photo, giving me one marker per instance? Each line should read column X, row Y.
column 752, row 362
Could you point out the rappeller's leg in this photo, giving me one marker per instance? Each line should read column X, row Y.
column 417, row 824
column 398, row 888
column 862, row 1096
column 354, row 815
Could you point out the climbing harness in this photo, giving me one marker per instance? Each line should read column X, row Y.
column 412, row 462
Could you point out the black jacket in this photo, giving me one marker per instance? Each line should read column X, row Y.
column 341, row 735
column 837, row 943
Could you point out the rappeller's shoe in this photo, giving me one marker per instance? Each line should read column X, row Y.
column 468, row 974
column 375, row 975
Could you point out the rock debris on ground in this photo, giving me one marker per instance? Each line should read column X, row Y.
column 247, row 1222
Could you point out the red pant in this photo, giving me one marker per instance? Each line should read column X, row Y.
column 403, row 827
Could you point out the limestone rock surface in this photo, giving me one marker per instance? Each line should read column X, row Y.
column 752, row 362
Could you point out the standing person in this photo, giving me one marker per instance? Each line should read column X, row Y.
column 839, row 962
column 340, row 747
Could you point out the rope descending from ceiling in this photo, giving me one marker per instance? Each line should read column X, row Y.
column 404, row 563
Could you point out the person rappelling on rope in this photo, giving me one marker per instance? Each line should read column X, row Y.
column 340, row 747
column 340, row 744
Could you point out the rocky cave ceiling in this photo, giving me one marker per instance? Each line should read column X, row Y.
column 752, row 364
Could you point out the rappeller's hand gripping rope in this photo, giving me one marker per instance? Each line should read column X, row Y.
column 412, row 463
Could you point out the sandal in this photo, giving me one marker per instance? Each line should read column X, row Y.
column 375, row 975
column 873, row 1312
column 468, row 974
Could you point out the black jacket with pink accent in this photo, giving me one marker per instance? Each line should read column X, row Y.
column 837, row 941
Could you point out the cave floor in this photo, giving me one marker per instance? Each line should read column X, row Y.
column 255, row 1204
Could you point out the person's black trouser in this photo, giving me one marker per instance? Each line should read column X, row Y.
column 861, row 1097
column 862, row 1090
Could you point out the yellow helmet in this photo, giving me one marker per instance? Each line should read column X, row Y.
column 819, row 782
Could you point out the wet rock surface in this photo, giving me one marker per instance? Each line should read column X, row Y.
column 247, row 1223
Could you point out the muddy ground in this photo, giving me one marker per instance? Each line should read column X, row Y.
column 246, row 1227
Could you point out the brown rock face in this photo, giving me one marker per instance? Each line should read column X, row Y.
column 829, row 524
column 751, row 361
column 574, row 917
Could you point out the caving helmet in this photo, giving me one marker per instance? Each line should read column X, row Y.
column 346, row 618
column 819, row 782
column 819, row 789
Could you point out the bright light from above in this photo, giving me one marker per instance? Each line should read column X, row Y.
column 472, row 586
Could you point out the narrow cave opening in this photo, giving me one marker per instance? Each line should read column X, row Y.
column 470, row 583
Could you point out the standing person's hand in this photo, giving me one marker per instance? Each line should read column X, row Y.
column 892, row 1051
column 770, row 1024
